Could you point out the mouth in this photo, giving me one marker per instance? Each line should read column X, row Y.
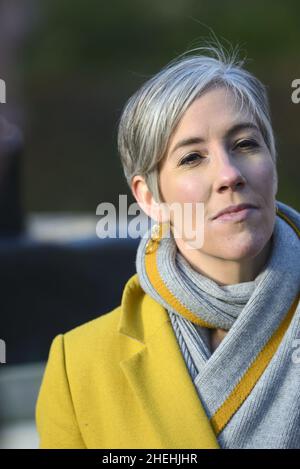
column 235, row 212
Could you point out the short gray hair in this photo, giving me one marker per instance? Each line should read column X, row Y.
column 151, row 115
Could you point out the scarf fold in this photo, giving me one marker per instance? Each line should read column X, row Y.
column 262, row 317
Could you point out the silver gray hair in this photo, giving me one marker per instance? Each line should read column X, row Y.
column 151, row 115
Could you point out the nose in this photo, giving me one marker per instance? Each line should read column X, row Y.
column 228, row 175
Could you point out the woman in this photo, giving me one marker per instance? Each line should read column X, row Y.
column 201, row 352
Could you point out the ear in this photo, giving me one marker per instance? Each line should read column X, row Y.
column 145, row 199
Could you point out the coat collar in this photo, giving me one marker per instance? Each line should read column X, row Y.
column 158, row 375
column 136, row 321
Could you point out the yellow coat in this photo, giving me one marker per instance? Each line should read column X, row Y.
column 120, row 381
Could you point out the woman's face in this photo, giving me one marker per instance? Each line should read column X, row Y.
column 217, row 156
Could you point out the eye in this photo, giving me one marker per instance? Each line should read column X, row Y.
column 190, row 159
column 247, row 144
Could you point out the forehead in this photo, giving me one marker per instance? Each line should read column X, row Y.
column 214, row 111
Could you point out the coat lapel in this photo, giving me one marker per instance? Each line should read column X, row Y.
column 158, row 375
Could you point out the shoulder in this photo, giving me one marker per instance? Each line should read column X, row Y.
column 102, row 343
column 105, row 328
column 96, row 331
column 92, row 345
column 100, row 340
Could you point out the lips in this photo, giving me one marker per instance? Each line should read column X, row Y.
column 233, row 209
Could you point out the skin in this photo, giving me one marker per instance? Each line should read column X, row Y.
column 224, row 169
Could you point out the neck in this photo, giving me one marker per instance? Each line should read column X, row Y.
column 223, row 271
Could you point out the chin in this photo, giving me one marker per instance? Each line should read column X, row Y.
column 243, row 247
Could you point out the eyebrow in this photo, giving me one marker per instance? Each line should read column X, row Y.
column 233, row 130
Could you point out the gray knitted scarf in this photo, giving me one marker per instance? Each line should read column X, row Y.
column 250, row 385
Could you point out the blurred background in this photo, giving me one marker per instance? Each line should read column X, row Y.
column 69, row 67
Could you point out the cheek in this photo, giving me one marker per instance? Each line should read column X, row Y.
column 186, row 188
column 263, row 178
